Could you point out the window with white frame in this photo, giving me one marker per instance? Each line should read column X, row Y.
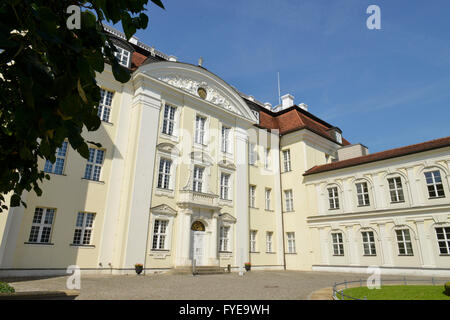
column 396, row 189
column 268, row 195
column 224, row 242
column 226, row 139
column 362, row 192
column 200, row 123
column 434, row 184
column 123, row 56
column 41, row 228
column 338, row 244
column 333, row 198
column 83, row 228
column 443, row 237
column 225, row 186
column 291, row 242
column 58, row 166
column 253, row 240
column 369, row 243
column 252, row 154
column 289, row 200
column 104, row 107
column 252, row 200
column 164, row 173
column 169, row 120
column 287, row 160
column 404, row 242
column 160, row 235
column 198, row 179
column 94, row 164
column 266, row 158
column 269, row 242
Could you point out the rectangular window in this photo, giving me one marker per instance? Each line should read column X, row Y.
column 198, row 179
column 226, row 139
column 169, row 120
column 160, row 235
column 104, row 107
column 253, row 240
column 338, row 244
column 362, row 192
column 224, row 239
column 289, row 200
column 200, row 130
column 83, row 228
column 369, row 243
column 404, row 242
column 58, row 167
column 333, row 198
column 252, row 199
column 252, row 153
column 123, row 56
column 396, row 189
column 443, row 236
column 287, row 160
column 164, row 173
column 434, row 184
column 94, row 164
column 225, row 186
column 291, row 242
column 268, row 192
column 41, row 228
column 269, row 246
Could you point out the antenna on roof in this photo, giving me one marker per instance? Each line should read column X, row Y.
column 279, row 90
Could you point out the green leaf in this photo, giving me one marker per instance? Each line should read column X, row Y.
column 121, row 73
column 15, row 200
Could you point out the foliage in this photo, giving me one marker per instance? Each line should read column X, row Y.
column 48, row 91
column 409, row 292
column 6, row 288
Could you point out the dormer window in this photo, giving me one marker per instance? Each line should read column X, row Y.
column 336, row 134
column 123, row 56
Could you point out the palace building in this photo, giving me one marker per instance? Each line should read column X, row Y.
column 192, row 169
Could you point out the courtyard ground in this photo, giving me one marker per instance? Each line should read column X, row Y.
column 254, row 285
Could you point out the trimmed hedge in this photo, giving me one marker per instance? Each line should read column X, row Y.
column 447, row 288
column 6, row 288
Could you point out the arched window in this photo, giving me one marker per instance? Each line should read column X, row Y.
column 198, row 226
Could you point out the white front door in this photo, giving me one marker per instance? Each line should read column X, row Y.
column 199, row 247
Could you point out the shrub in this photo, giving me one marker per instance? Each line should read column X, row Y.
column 6, row 288
column 447, row 288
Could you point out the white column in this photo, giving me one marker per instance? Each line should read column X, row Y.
column 214, row 234
column 352, row 246
column 425, row 245
column 146, row 106
column 348, row 196
column 275, row 141
column 241, row 196
column 414, row 188
column 183, row 236
column 11, row 233
column 324, row 246
column 386, row 246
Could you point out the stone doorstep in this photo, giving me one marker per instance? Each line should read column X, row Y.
column 41, row 295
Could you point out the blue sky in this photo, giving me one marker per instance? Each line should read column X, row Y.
column 384, row 88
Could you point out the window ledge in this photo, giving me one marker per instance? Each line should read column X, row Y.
column 40, row 243
column 56, row 174
column 364, row 206
column 159, row 250
column 338, row 255
column 271, row 253
column 255, row 252
column 169, row 137
column 432, row 198
column 226, row 252
column 291, row 253
column 107, row 122
column 268, row 210
column 90, row 246
column 406, row 255
column 94, row 181
column 397, row 202
column 290, row 211
column 254, row 208
column 334, row 209
column 369, row 255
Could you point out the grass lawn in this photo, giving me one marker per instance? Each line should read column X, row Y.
column 412, row 292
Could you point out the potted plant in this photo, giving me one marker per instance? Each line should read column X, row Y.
column 248, row 266
column 138, row 267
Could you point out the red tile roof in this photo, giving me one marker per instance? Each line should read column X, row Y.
column 293, row 119
column 383, row 155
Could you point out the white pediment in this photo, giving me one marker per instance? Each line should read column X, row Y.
column 163, row 209
column 166, row 147
column 192, row 86
column 227, row 218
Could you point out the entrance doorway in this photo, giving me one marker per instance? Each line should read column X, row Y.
column 198, row 243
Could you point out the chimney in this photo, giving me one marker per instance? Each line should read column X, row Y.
column 251, row 98
column 268, row 105
column 303, row 106
column 352, row 151
column 287, row 101
column 173, row 58
column 200, row 62
column 134, row 40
